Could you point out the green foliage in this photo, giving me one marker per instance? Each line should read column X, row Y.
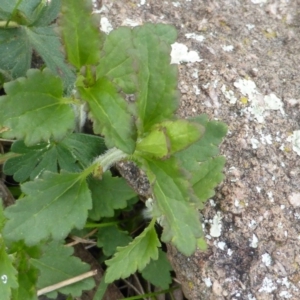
column 67, row 181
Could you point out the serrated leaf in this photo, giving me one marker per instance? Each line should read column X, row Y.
column 157, row 97
column 135, row 256
column 157, row 271
column 71, row 154
column 117, row 60
column 179, row 219
column 8, row 274
column 15, row 52
column 46, row 42
column 207, row 177
column 110, row 115
column 57, row 264
column 34, row 109
column 201, row 159
column 80, row 33
column 63, row 196
column 109, row 238
column 169, row 137
column 109, row 194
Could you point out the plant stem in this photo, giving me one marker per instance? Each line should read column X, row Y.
column 11, row 24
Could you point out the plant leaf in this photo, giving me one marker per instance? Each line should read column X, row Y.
column 57, row 264
column 73, row 153
column 169, row 137
column 109, row 194
column 109, row 238
column 179, row 219
column 158, row 271
column 157, row 97
column 201, row 159
column 135, row 256
column 46, row 42
column 64, row 196
column 110, row 115
column 15, row 52
column 82, row 39
column 34, row 109
column 117, row 61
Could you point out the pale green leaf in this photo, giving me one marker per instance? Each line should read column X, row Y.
column 135, row 256
column 169, row 137
column 8, row 273
column 64, row 197
column 109, row 194
column 71, row 154
column 178, row 217
column 157, row 271
column 57, row 264
column 80, row 33
column 110, row 115
column 34, row 109
column 109, row 238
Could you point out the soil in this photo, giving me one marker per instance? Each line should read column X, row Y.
column 247, row 78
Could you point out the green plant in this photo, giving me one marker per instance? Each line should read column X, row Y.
column 66, row 180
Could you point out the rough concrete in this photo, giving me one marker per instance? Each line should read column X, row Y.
column 248, row 77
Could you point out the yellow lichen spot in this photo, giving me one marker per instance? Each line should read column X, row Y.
column 270, row 34
column 244, row 100
column 287, row 149
column 246, row 42
column 191, row 285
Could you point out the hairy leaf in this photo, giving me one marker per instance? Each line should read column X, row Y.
column 109, row 238
column 109, row 194
column 80, row 33
column 71, row 154
column 179, row 218
column 57, row 264
column 110, row 115
column 64, row 197
column 157, row 271
column 34, row 109
column 135, row 256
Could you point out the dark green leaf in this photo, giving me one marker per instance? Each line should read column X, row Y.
column 80, row 33
column 108, row 194
column 71, row 154
column 110, row 115
column 109, row 238
column 57, row 264
column 34, row 109
column 157, row 271
column 135, row 256
column 64, row 197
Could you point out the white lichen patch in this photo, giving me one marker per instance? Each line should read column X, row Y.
column 228, row 48
column 176, row 4
column 197, row 90
column 267, row 286
column 229, row 94
column 194, row 36
column 254, row 241
column 105, row 25
column 294, row 199
column 181, row 54
column 216, row 226
column 266, row 259
column 221, row 245
column 295, row 139
column 207, row 282
column 259, row 104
